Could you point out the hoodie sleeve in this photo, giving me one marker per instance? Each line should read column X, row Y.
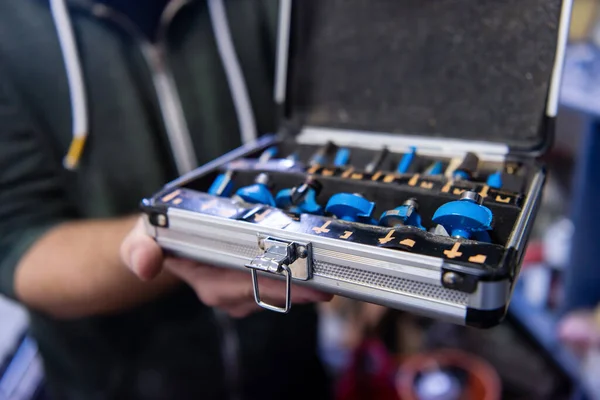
column 32, row 194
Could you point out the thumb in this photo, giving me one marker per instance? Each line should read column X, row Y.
column 141, row 254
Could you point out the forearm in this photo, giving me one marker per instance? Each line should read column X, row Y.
column 75, row 271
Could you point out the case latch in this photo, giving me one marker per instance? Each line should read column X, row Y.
column 290, row 259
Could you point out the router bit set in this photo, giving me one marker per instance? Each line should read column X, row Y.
column 464, row 188
column 384, row 182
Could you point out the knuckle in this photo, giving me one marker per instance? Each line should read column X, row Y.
column 248, row 292
column 237, row 313
column 210, row 298
column 125, row 252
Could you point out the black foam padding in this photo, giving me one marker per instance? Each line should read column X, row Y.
column 360, row 158
column 386, row 198
column 384, row 195
column 477, row 70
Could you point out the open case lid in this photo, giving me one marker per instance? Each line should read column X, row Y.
column 486, row 70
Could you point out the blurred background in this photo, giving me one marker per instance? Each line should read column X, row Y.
column 549, row 346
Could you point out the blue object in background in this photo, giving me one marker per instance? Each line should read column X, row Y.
column 495, row 180
column 320, row 156
column 467, row 167
column 459, row 174
column 580, row 93
column 293, row 157
column 341, row 157
column 435, row 169
column 268, row 154
column 222, row 185
column 582, row 277
column 406, row 161
column 318, row 159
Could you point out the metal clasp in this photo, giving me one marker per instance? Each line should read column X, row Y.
column 292, row 260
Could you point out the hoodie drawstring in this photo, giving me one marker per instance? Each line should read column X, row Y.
column 233, row 70
column 79, row 110
column 77, row 90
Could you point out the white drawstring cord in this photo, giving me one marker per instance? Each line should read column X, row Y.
column 233, row 70
column 77, row 90
column 66, row 38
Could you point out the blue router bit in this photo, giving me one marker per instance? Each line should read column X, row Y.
column 465, row 218
column 482, row 236
column 258, row 193
column 467, row 167
column 341, row 157
column 406, row 161
column 351, row 207
column 293, row 157
column 268, row 154
column 405, row 215
column 495, row 180
column 222, row 185
column 375, row 164
column 320, row 156
column 301, row 199
column 435, row 169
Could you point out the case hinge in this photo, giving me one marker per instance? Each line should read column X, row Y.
column 289, row 259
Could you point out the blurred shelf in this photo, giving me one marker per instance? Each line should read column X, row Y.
column 580, row 89
column 540, row 325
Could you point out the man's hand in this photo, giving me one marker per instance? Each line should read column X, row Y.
column 222, row 288
column 75, row 270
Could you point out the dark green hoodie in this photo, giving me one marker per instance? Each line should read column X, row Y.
column 172, row 348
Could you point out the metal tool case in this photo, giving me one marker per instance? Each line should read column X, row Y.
column 449, row 78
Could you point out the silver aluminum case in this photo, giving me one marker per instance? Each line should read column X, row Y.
column 393, row 278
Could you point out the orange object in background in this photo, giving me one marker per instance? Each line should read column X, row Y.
column 452, row 375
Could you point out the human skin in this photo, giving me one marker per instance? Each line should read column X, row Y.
column 97, row 267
